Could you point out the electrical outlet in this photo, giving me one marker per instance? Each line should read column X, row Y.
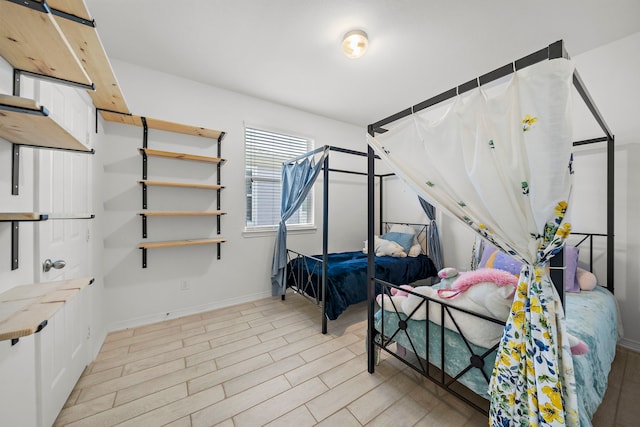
column 185, row 285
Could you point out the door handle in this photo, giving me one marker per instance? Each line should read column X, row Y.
column 48, row 264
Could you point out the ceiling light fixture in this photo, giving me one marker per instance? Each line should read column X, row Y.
column 355, row 43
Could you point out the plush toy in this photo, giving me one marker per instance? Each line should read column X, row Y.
column 402, row 290
column 577, row 345
column 447, row 276
column 386, row 248
column 586, row 280
column 484, row 291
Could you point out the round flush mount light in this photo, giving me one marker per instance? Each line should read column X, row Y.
column 355, row 43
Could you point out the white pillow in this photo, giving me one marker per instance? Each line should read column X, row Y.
column 415, row 250
column 386, row 248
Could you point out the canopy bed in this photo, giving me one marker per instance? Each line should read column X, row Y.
column 337, row 280
column 501, row 162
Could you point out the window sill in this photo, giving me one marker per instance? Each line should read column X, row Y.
column 271, row 231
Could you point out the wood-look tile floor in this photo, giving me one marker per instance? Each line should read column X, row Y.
column 266, row 363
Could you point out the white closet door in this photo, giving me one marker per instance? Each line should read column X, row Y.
column 62, row 187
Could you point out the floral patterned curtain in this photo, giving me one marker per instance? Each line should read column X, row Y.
column 499, row 160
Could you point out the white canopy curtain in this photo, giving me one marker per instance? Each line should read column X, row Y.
column 502, row 165
column 297, row 180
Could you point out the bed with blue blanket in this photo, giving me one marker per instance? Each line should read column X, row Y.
column 346, row 282
column 591, row 316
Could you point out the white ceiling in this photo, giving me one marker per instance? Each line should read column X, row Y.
column 288, row 51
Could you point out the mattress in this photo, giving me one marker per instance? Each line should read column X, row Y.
column 347, row 276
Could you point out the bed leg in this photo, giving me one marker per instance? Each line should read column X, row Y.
column 282, row 297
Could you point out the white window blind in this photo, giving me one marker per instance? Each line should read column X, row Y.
column 265, row 151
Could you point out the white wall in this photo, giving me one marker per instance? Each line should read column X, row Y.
column 134, row 295
column 611, row 74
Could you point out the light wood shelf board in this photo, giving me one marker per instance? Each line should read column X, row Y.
column 38, row 290
column 34, row 129
column 26, row 322
column 180, row 128
column 31, row 40
column 39, row 216
column 125, row 119
column 21, row 216
column 161, row 125
column 181, row 184
column 175, row 243
column 181, row 213
column 182, row 156
column 23, row 308
column 86, row 44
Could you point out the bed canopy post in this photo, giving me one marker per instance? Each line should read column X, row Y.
column 610, row 210
column 325, row 241
column 380, row 205
column 370, row 254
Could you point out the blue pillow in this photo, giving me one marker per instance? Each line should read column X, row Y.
column 403, row 239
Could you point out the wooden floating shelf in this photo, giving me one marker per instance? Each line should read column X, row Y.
column 31, row 40
column 181, row 184
column 175, row 243
column 35, row 216
column 182, row 156
column 25, row 309
column 163, row 125
column 181, row 213
column 25, row 122
column 86, row 45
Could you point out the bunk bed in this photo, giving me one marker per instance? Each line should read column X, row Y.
column 337, row 280
column 439, row 346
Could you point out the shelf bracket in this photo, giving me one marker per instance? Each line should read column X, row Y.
column 218, row 244
column 219, row 181
column 74, row 18
column 15, row 169
column 57, row 80
column 145, row 132
column 144, row 257
column 144, row 195
column 16, row 82
column 144, row 226
column 144, row 165
column 15, row 231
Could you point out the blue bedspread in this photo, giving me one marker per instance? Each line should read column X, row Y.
column 347, row 276
column 591, row 316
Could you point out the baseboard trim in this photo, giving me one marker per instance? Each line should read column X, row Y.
column 158, row 317
column 630, row 344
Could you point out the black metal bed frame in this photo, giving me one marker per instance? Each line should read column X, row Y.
column 325, row 218
column 300, row 279
column 383, row 340
column 291, row 254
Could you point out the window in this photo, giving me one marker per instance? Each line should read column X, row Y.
column 265, row 152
